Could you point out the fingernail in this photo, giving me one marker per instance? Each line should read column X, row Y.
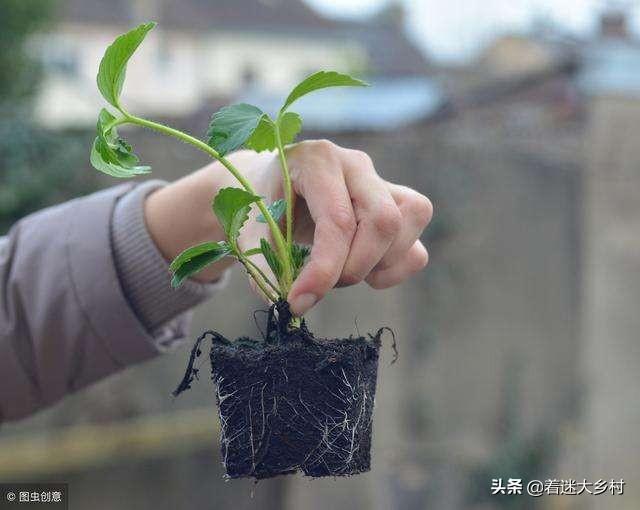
column 302, row 303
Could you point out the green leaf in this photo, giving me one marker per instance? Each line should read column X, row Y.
column 196, row 258
column 111, row 154
column 321, row 80
column 195, row 251
column 264, row 137
column 271, row 258
column 290, row 125
column 276, row 209
column 232, row 126
column 299, row 254
column 113, row 67
column 231, row 206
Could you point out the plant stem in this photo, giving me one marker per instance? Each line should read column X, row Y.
column 261, row 273
column 281, row 245
column 256, row 278
column 114, row 123
column 286, row 177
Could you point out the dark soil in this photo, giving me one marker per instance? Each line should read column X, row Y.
column 292, row 402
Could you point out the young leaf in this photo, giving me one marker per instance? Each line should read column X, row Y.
column 276, row 209
column 113, row 66
column 271, row 258
column 232, row 126
column 231, row 206
column 197, row 250
column 290, row 125
column 321, row 80
column 111, row 154
column 195, row 259
column 264, row 137
column 299, row 253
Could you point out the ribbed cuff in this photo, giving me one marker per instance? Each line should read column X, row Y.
column 143, row 271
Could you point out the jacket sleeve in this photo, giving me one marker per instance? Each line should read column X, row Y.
column 65, row 320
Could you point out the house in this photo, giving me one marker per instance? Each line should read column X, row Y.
column 205, row 53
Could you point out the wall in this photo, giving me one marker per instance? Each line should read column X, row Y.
column 611, row 353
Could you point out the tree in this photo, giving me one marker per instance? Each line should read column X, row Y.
column 38, row 166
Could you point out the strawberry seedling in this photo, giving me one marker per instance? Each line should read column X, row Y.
column 292, row 401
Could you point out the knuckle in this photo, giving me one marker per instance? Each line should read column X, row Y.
column 344, row 220
column 362, row 158
column 325, row 147
column 421, row 208
column 387, row 220
column 350, row 277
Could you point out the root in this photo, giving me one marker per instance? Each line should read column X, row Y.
column 191, row 373
column 291, row 402
column 394, row 344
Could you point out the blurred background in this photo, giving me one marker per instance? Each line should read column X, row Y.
column 519, row 348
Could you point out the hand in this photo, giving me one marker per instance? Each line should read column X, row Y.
column 362, row 228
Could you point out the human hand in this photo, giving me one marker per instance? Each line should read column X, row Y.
column 362, row 228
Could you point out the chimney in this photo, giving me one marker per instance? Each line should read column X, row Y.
column 391, row 15
column 613, row 24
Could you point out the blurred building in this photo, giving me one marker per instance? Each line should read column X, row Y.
column 202, row 54
column 518, row 346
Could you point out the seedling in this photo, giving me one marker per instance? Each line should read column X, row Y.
column 291, row 401
column 233, row 127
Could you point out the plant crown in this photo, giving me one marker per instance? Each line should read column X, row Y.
column 232, row 127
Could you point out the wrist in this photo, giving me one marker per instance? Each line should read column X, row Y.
column 142, row 269
column 179, row 215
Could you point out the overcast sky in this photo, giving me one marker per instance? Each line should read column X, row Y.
column 453, row 30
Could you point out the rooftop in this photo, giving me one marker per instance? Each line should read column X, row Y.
column 390, row 51
column 388, row 104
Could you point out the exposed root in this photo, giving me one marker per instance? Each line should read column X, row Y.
column 292, row 402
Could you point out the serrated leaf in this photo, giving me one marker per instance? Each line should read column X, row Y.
column 299, row 254
column 232, row 126
column 290, row 126
column 196, row 258
column 264, row 138
column 111, row 154
column 271, row 258
column 321, row 80
column 276, row 209
column 199, row 249
column 113, row 66
column 231, row 206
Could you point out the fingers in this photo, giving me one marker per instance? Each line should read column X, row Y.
column 415, row 259
column 365, row 228
column 325, row 191
column 378, row 218
column 416, row 213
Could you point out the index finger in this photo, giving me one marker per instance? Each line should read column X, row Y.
column 325, row 192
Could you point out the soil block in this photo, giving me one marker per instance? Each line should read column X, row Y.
column 292, row 402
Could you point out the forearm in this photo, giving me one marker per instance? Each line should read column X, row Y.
column 68, row 316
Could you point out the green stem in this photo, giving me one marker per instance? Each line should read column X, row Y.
column 286, row 177
column 261, row 273
column 199, row 144
column 256, row 278
column 114, row 123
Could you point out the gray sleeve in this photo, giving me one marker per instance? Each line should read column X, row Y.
column 65, row 320
column 144, row 273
